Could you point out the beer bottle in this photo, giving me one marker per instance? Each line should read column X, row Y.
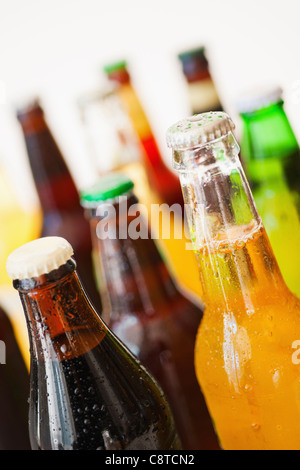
column 58, row 195
column 113, row 144
column 161, row 178
column 202, row 92
column 271, row 155
column 14, row 389
column 244, row 349
column 143, row 304
column 87, row 391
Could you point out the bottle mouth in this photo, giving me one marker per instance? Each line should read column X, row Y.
column 107, row 190
column 258, row 98
column 30, row 107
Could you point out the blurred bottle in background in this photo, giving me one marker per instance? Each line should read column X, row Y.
column 202, row 93
column 161, row 177
column 115, row 145
column 271, row 155
column 58, row 195
column 17, row 223
column 20, row 222
column 143, row 306
column 14, row 390
column 112, row 141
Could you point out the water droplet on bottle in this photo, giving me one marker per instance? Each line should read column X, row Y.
column 255, row 426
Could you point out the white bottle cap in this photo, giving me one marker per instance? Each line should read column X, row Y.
column 38, row 257
column 258, row 97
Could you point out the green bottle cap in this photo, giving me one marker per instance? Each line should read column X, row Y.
column 110, row 68
column 108, row 187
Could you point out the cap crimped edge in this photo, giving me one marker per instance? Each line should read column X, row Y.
column 38, row 257
column 199, row 130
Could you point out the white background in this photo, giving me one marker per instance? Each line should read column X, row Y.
column 56, row 48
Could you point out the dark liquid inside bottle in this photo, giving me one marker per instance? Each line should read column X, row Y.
column 164, row 341
column 87, row 390
column 111, row 403
column 157, row 323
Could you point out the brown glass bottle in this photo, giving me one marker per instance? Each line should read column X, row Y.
column 62, row 214
column 161, row 178
column 87, row 391
column 14, row 390
column 144, row 307
column 203, row 96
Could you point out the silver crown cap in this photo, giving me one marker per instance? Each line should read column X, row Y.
column 257, row 98
column 199, row 130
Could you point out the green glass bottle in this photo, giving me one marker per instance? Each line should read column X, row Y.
column 271, row 155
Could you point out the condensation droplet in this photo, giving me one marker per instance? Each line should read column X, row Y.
column 255, row 426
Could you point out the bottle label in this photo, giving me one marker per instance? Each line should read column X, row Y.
column 203, row 96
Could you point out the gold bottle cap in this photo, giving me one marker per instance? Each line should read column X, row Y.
column 38, row 257
column 199, row 130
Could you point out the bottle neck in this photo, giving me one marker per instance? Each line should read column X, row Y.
column 60, row 319
column 267, row 141
column 164, row 182
column 132, row 274
column 202, row 92
column 236, row 263
column 54, row 184
column 120, row 75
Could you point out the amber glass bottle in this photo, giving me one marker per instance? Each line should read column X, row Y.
column 58, row 195
column 88, row 392
column 14, row 390
column 143, row 304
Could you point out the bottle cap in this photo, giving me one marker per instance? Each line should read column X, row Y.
column 38, row 257
column 108, row 187
column 193, row 60
column 198, row 130
column 191, row 54
column 258, row 98
column 115, row 66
